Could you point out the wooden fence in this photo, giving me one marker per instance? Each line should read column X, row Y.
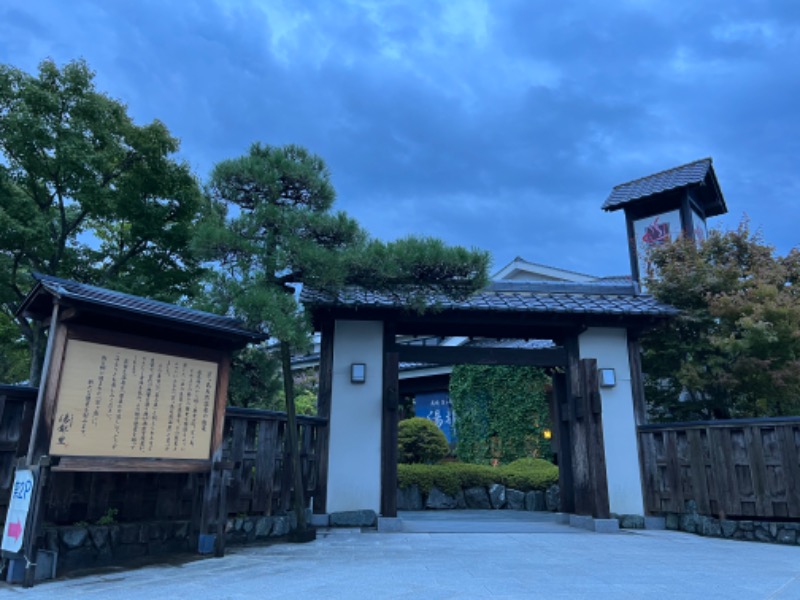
column 255, row 443
column 743, row 468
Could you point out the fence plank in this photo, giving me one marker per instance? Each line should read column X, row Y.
column 791, row 468
column 758, row 471
column 697, row 466
column 266, row 455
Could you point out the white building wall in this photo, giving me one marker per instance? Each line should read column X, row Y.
column 610, row 348
column 354, row 467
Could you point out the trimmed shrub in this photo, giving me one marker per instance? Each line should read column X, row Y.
column 525, row 475
column 420, row 441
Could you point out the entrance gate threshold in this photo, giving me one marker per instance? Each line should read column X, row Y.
column 483, row 521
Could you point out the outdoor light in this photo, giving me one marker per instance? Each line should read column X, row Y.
column 547, row 434
column 607, row 378
column 358, row 373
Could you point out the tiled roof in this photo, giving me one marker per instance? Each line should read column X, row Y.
column 678, row 177
column 596, row 298
column 72, row 291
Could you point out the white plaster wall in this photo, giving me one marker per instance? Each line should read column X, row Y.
column 354, row 467
column 610, row 348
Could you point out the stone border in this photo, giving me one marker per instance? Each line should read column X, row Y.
column 81, row 547
column 493, row 497
column 771, row 532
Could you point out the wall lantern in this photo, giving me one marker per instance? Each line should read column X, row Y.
column 547, row 434
column 358, row 373
column 608, row 378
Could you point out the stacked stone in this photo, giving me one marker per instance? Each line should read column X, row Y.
column 494, row 497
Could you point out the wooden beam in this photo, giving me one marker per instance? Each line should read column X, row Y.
column 446, row 355
column 131, row 465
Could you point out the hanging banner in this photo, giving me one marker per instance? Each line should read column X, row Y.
column 436, row 407
column 17, row 516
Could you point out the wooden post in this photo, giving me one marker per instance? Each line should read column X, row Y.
column 563, row 440
column 30, row 546
column 211, row 494
column 39, row 441
column 391, row 398
column 324, row 411
column 595, row 445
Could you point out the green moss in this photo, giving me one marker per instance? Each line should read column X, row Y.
column 524, row 475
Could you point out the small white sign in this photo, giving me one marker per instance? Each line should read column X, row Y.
column 21, row 493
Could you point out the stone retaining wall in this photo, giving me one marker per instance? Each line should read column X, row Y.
column 494, row 497
column 757, row 531
column 86, row 547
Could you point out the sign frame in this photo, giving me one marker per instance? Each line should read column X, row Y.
column 66, row 332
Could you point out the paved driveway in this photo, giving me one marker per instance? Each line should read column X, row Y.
column 554, row 561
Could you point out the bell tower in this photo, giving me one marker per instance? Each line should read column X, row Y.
column 660, row 208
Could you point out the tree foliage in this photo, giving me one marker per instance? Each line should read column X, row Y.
column 735, row 349
column 255, row 380
column 272, row 229
column 87, row 194
column 420, row 441
column 501, row 412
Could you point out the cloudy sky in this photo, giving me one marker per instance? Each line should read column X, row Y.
column 497, row 124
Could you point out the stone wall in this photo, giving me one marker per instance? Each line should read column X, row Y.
column 757, row 531
column 92, row 546
column 493, row 497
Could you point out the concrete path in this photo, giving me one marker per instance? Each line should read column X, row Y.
column 562, row 562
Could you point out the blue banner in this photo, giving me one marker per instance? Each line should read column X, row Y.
column 436, row 407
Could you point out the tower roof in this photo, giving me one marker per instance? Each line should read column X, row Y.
column 698, row 175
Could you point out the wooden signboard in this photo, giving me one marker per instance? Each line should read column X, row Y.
column 113, row 401
column 121, row 402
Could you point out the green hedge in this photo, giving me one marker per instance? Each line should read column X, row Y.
column 525, row 475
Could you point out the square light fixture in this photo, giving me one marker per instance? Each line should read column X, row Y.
column 358, row 373
column 608, row 378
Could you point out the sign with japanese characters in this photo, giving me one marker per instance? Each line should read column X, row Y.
column 121, row 402
column 436, row 407
column 17, row 515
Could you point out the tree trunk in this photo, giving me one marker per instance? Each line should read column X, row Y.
column 292, row 431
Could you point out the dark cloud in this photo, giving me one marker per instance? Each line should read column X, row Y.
column 497, row 125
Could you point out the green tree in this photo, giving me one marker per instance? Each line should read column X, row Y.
column 734, row 351
column 273, row 229
column 501, row 412
column 255, row 379
column 87, row 194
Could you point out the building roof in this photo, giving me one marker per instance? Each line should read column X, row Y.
column 38, row 304
column 596, row 298
column 520, row 269
column 697, row 174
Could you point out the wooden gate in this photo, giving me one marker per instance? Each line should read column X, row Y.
column 578, row 420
